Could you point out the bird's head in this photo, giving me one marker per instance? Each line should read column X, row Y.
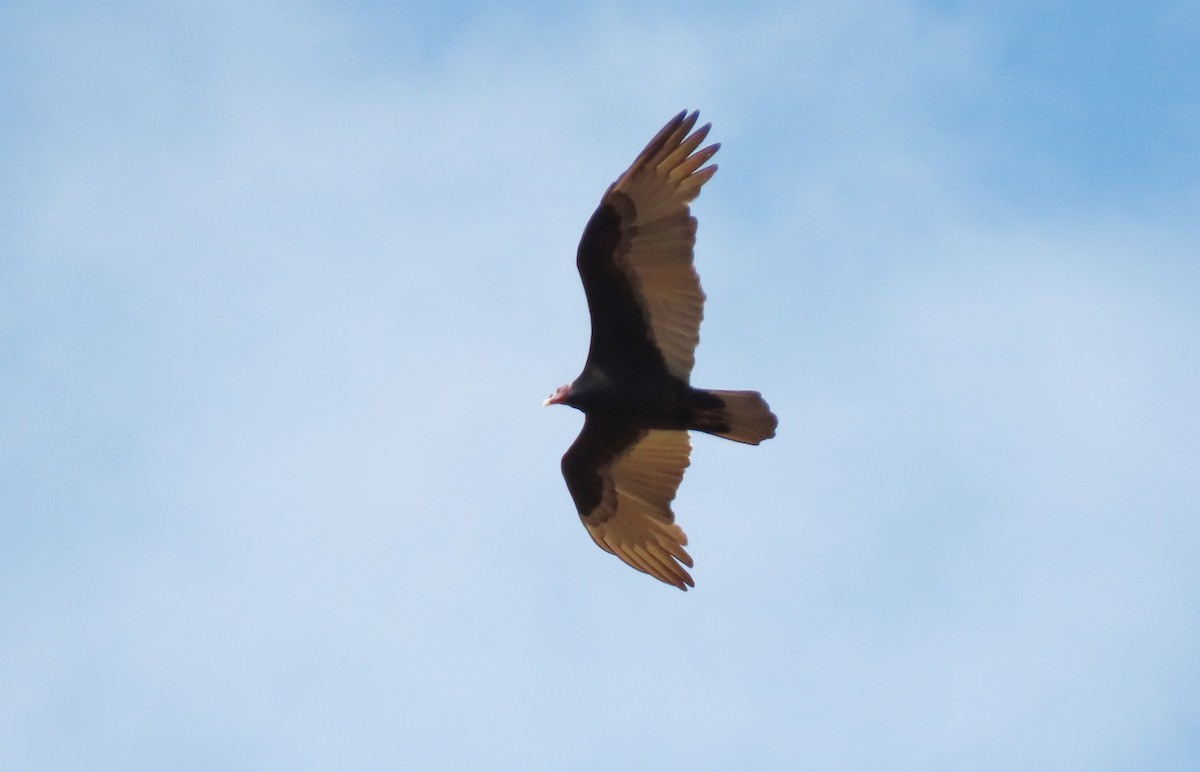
column 559, row 397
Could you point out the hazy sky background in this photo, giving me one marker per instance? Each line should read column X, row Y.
column 282, row 287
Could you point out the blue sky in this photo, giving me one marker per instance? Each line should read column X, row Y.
column 282, row 288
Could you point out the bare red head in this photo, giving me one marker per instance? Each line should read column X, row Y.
column 560, row 395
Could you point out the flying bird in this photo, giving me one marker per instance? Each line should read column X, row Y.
column 645, row 303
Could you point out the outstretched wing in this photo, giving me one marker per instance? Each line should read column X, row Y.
column 635, row 257
column 623, row 481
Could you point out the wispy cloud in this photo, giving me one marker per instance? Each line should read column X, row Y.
column 283, row 289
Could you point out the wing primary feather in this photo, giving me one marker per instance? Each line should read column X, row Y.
column 695, row 162
column 685, row 147
column 630, row 556
column 661, row 139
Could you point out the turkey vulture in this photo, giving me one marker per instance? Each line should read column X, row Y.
column 645, row 302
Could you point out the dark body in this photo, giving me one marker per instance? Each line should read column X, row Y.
column 625, row 377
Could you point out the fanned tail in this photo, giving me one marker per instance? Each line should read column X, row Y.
column 741, row 416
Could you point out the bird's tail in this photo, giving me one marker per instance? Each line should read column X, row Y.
column 742, row 416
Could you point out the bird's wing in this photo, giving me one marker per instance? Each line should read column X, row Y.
column 635, row 257
column 623, row 481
